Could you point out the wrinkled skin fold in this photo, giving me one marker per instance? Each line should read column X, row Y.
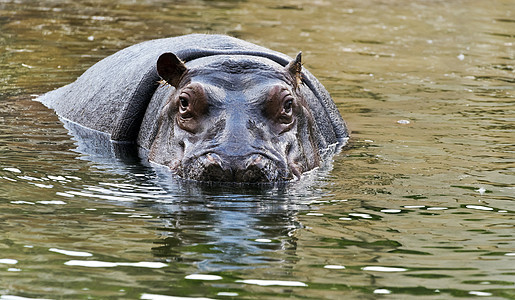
column 235, row 112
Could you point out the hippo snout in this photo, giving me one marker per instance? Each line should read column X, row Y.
column 212, row 167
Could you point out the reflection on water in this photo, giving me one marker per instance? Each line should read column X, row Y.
column 420, row 205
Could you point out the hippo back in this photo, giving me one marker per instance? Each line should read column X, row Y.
column 113, row 95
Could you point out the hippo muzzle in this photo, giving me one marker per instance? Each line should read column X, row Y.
column 255, row 168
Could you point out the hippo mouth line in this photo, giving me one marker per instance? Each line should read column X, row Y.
column 252, row 168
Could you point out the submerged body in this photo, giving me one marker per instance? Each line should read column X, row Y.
column 209, row 107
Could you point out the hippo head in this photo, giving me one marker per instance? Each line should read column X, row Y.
column 235, row 118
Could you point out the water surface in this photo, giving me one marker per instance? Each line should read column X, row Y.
column 419, row 205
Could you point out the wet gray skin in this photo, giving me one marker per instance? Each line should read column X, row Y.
column 225, row 110
column 237, row 119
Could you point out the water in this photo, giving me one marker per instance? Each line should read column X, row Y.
column 419, row 205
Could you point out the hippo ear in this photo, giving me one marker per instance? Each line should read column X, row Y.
column 295, row 69
column 171, row 68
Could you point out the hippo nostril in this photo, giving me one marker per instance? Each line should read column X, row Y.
column 213, row 168
column 253, row 160
column 258, row 159
column 256, row 168
column 210, row 158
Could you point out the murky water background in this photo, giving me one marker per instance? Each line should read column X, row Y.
column 420, row 205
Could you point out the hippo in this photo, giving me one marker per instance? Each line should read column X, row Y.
column 211, row 108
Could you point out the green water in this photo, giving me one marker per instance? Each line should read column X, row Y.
column 420, row 205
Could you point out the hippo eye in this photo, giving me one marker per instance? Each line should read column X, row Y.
column 190, row 107
column 280, row 107
column 184, row 101
column 288, row 104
